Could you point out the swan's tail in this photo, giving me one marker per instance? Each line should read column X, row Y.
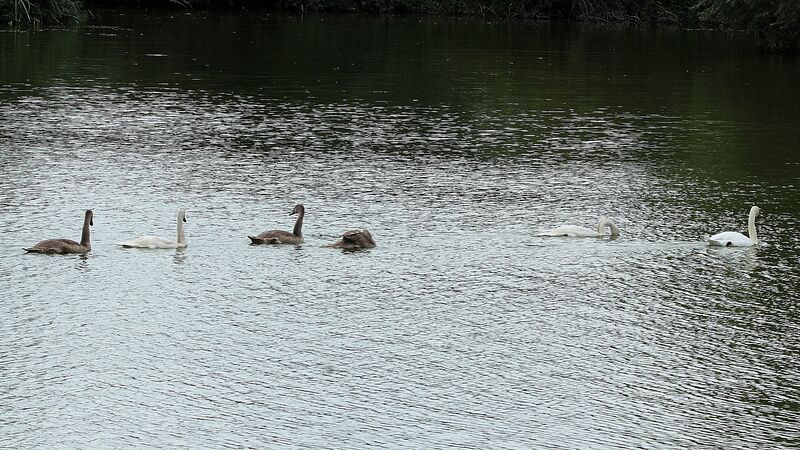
column 717, row 243
column 258, row 240
column 552, row 233
column 43, row 251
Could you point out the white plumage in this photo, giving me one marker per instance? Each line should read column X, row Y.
column 578, row 231
column 159, row 242
column 734, row 239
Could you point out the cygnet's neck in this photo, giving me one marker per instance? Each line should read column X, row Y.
column 181, row 235
column 85, row 235
column 298, row 226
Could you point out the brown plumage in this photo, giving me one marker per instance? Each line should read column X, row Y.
column 65, row 246
column 283, row 237
column 354, row 239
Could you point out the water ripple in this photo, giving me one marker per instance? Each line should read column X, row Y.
column 462, row 328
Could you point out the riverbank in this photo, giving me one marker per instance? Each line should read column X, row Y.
column 774, row 26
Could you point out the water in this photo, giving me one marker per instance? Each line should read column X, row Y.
column 454, row 142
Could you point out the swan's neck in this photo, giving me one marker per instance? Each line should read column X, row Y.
column 604, row 222
column 751, row 227
column 181, row 236
column 298, row 226
column 614, row 229
column 85, row 234
column 601, row 226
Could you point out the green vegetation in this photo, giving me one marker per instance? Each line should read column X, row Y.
column 774, row 23
column 587, row 10
column 34, row 13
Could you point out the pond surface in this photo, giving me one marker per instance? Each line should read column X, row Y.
column 455, row 142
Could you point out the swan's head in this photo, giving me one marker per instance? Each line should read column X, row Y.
column 297, row 210
column 90, row 216
column 183, row 215
column 755, row 211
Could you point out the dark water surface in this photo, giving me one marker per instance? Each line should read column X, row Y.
column 455, row 142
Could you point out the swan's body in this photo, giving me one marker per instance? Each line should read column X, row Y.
column 152, row 242
column 578, row 231
column 283, row 237
column 159, row 242
column 734, row 239
column 65, row 246
column 354, row 239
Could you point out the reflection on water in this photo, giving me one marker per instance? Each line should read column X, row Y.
column 180, row 256
column 83, row 263
column 746, row 258
column 462, row 327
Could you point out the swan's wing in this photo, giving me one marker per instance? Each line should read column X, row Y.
column 49, row 243
column 730, row 239
column 351, row 235
column 341, row 243
column 361, row 238
column 369, row 238
column 52, row 246
column 258, row 240
column 275, row 237
column 135, row 243
column 570, row 230
column 66, row 241
column 280, row 235
column 275, row 234
column 148, row 242
column 60, row 246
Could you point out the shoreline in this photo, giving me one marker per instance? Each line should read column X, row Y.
column 778, row 34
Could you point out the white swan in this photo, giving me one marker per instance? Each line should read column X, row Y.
column 734, row 239
column 158, row 242
column 578, row 231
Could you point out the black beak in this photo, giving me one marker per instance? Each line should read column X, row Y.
column 293, row 213
column 184, row 219
column 91, row 222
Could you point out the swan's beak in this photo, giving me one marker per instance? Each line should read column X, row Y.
column 91, row 222
column 184, row 219
column 293, row 213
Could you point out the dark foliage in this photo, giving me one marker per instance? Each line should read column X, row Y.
column 33, row 13
column 775, row 23
column 593, row 10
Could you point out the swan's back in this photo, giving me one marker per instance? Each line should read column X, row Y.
column 58, row 246
column 730, row 239
column 276, row 237
column 151, row 242
column 354, row 239
column 362, row 238
column 571, row 231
